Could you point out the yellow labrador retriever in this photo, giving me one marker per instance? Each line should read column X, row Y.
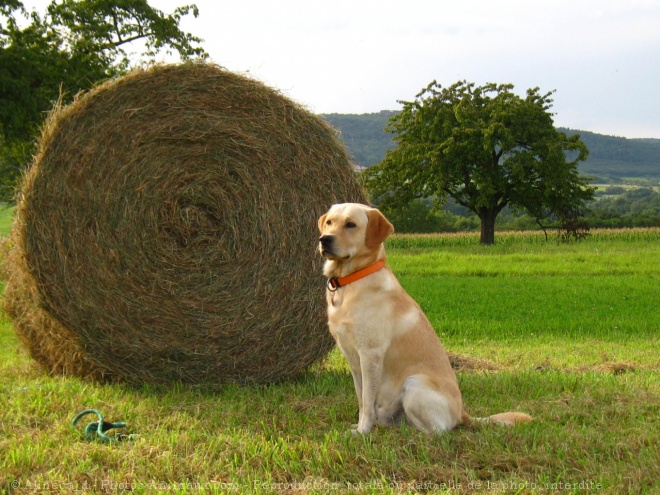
column 400, row 369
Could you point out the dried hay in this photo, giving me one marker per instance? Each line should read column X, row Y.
column 463, row 363
column 166, row 232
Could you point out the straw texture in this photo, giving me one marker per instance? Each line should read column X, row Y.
column 166, row 232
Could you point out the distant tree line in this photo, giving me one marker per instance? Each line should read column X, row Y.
column 638, row 207
column 615, row 207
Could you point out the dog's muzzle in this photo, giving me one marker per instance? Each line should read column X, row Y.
column 325, row 243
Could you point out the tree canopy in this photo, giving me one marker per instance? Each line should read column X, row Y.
column 487, row 148
column 51, row 56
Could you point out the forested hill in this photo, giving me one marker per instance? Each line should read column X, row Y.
column 611, row 159
column 617, row 159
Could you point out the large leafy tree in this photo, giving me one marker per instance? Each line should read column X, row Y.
column 485, row 147
column 72, row 46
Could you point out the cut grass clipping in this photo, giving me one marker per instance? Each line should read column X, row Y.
column 166, row 232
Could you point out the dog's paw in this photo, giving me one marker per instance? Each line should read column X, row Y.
column 362, row 429
column 355, row 431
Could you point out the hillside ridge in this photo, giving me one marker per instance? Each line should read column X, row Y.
column 612, row 159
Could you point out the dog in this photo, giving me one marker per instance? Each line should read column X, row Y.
column 400, row 370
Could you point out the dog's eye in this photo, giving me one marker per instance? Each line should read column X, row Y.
column 328, row 222
column 350, row 225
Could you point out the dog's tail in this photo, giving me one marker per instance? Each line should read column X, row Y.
column 505, row 419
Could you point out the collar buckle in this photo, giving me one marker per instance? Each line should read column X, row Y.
column 333, row 284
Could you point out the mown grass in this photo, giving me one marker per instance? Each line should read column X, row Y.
column 567, row 333
column 6, row 218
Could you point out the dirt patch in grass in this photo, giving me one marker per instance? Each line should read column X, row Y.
column 614, row 368
column 464, row 363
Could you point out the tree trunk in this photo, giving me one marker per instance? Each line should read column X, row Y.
column 487, row 217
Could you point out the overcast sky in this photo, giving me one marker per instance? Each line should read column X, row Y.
column 359, row 56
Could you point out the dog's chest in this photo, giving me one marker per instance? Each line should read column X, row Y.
column 335, row 300
column 338, row 316
column 335, row 312
column 345, row 338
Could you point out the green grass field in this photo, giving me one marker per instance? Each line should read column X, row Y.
column 568, row 333
column 6, row 217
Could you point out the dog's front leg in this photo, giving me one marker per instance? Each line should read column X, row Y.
column 371, row 364
column 353, row 359
column 357, row 382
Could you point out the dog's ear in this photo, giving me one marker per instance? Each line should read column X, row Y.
column 378, row 228
column 322, row 222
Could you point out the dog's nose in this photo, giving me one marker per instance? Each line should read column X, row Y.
column 326, row 240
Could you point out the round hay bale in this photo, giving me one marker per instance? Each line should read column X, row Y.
column 166, row 232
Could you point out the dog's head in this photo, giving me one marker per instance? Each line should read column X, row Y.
column 351, row 230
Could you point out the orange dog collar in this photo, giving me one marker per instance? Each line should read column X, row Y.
column 335, row 283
